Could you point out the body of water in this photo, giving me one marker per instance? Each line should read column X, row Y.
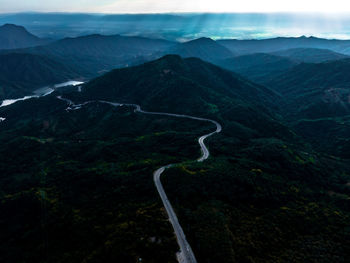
column 41, row 92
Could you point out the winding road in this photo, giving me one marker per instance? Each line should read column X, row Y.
column 186, row 254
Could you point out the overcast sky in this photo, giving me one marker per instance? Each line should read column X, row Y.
column 160, row 6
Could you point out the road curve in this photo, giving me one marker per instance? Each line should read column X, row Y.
column 186, row 254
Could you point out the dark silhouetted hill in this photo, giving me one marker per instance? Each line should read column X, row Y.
column 190, row 86
column 13, row 36
column 316, row 90
column 20, row 74
column 258, row 66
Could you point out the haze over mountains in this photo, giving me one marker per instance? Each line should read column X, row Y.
column 315, row 90
column 281, row 43
column 13, row 36
column 183, row 27
column 76, row 172
column 89, row 56
column 94, row 54
column 204, row 48
column 310, row 55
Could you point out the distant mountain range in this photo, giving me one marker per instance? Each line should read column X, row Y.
column 13, row 36
column 283, row 43
column 310, row 55
column 178, row 26
column 92, row 55
column 95, row 54
column 258, row 66
column 203, row 48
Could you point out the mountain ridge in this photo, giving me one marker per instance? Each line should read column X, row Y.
column 270, row 45
column 13, row 37
column 310, row 55
column 94, row 54
column 204, row 48
column 21, row 74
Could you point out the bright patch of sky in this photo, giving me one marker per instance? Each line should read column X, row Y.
column 156, row 6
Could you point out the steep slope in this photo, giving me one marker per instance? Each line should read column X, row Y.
column 12, row 36
column 98, row 160
column 310, row 55
column 282, row 43
column 20, row 74
column 190, row 86
column 317, row 101
column 262, row 195
column 175, row 83
column 258, row 66
column 316, row 90
column 203, row 48
column 95, row 54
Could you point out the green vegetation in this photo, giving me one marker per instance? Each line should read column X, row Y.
column 76, row 186
column 265, row 195
column 266, row 203
column 314, row 90
column 21, row 74
column 315, row 103
column 258, row 66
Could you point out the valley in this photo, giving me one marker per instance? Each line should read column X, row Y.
column 156, row 150
column 185, row 254
column 41, row 92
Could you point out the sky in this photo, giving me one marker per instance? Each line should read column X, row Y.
column 164, row 6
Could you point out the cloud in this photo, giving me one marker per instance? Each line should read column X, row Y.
column 156, row 6
column 52, row 5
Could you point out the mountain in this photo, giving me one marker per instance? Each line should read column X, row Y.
column 91, row 155
column 316, row 101
column 21, row 74
column 13, row 36
column 310, row 55
column 263, row 194
column 282, row 43
column 203, row 48
column 258, row 66
column 316, row 90
column 94, row 54
column 263, row 67
column 177, row 84
column 191, row 86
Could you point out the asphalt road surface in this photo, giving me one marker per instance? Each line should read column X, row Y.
column 186, row 254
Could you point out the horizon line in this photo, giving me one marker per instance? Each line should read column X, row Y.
column 176, row 13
